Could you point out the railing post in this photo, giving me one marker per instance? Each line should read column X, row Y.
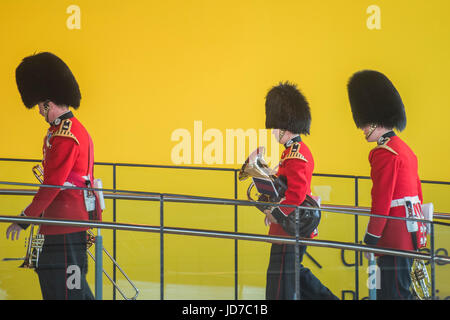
column 236, row 265
column 372, row 281
column 356, row 241
column 433, row 269
column 297, row 254
column 161, row 245
column 98, row 266
column 114, row 231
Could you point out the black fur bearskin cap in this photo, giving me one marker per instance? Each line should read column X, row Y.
column 44, row 76
column 374, row 100
column 287, row 109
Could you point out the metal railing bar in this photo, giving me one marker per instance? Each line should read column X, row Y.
column 349, row 209
column 223, row 234
column 20, row 160
column 133, row 195
column 150, row 196
column 143, row 195
column 139, row 165
column 334, row 175
column 330, row 175
column 435, row 182
column 160, row 166
column 347, row 176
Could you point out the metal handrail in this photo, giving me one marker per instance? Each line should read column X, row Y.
column 158, row 166
column 222, row 234
column 177, row 167
column 153, row 196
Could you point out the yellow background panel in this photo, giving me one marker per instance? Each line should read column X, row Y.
column 149, row 68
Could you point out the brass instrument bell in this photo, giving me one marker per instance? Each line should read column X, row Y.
column 256, row 167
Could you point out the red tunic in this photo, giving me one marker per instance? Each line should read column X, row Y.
column 68, row 156
column 394, row 176
column 297, row 165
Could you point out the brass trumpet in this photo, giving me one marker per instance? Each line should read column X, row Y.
column 420, row 281
column 34, row 244
column 35, row 240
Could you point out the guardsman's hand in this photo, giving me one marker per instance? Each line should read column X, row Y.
column 269, row 216
column 368, row 255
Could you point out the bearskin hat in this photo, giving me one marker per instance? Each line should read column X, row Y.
column 374, row 100
column 44, row 76
column 287, row 109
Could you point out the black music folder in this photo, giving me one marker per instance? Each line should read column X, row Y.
column 265, row 186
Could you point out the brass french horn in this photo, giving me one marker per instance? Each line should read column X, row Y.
column 256, row 167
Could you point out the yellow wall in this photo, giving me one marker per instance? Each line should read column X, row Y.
column 148, row 68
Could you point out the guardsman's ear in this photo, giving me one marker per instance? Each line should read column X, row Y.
column 46, row 106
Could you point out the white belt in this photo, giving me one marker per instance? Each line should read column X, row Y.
column 401, row 202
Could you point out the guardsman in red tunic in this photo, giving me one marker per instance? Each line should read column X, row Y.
column 287, row 112
column 377, row 109
column 68, row 158
column 297, row 163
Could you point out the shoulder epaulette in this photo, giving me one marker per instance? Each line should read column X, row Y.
column 384, row 145
column 64, row 130
column 294, row 153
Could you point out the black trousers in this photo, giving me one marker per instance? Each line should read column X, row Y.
column 281, row 277
column 395, row 278
column 62, row 267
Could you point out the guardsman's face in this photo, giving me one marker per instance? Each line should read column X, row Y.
column 47, row 110
column 280, row 135
column 41, row 109
column 371, row 133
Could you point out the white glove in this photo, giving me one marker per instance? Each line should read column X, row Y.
column 369, row 255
